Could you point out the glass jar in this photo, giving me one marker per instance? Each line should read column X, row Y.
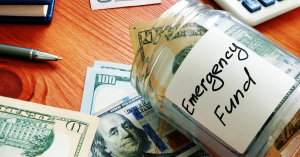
column 169, row 41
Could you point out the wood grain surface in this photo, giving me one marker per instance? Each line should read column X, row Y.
column 80, row 36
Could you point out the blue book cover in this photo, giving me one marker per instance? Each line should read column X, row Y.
column 25, row 2
column 30, row 19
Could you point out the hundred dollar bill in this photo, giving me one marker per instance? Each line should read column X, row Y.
column 148, row 41
column 163, row 125
column 131, row 127
column 104, row 86
column 28, row 129
column 106, row 4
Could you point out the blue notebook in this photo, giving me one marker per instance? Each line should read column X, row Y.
column 25, row 2
column 29, row 19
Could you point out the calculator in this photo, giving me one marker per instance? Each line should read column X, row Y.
column 254, row 12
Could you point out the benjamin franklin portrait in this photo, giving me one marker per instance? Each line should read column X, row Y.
column 116, row 136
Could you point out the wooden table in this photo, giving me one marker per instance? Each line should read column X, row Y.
column 80, row 36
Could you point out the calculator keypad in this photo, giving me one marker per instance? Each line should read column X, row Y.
column 255, row 5
column 254, row 12
column 251, row 5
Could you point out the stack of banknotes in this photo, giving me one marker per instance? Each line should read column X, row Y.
column 108, row 92
column 118, row 122
column 128, row 124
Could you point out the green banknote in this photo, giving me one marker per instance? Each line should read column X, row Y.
column 105, row 84
column 28, row 130
column 158, row 124
column 130, row 127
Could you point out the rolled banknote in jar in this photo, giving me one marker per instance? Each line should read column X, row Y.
column 223, row 84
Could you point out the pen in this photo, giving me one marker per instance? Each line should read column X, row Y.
column 25, row 53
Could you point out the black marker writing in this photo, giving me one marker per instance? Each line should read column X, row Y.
column 212, row 78
column 236, row 97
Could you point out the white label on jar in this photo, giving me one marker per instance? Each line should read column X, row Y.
column 228, row 88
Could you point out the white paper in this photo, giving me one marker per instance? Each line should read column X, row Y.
column 106, row 4
column 267, row 87
column 24, row 10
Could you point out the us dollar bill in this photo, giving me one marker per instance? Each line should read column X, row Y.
column 131, row 127
column 28, row 129
column 105, row 84
column 116, row 68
